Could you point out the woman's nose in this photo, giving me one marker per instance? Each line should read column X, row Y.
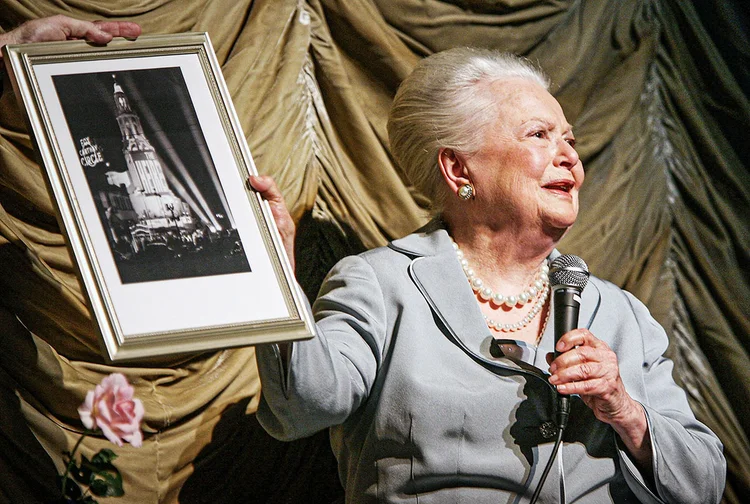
column 567, row 156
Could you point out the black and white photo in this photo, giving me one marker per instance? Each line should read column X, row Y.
column 151, row 175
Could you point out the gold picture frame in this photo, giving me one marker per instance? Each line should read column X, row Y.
column 147, row 163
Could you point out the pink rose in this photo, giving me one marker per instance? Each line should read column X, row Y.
column 111, row 408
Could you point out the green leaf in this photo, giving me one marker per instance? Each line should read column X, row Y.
column 105, row 480
column 105, row 456
column 99, row 487
column 106, row 487
column 99, row 474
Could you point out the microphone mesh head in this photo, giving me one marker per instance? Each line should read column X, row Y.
column 569, row 271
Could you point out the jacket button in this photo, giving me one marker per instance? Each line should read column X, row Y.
column 548, row 430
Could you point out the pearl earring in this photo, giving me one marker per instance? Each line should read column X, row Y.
column 466, row 191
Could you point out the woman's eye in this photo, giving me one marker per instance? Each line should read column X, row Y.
column 539, row 134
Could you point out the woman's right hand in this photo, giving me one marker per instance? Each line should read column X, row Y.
column 268, row 190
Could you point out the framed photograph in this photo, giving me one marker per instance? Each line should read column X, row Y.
column 148, row 166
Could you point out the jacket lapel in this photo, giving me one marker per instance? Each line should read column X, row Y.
column 439, row 277
column 443, row 283
column 591, row 298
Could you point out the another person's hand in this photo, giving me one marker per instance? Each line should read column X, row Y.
column 589, row 368
column 57, row 28
column 268, row 190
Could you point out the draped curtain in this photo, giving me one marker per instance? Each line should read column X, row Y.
column 657, row 91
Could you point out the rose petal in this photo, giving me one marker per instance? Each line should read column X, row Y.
column 114, row 438
column 85, row 411
column 135, row 439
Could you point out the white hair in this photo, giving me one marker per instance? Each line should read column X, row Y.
column 446, row 102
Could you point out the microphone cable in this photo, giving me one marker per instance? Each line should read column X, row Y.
column 562, row 422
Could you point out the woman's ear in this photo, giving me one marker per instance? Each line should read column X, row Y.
column 453, row 167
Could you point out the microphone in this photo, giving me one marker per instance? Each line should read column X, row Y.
column 568, row 275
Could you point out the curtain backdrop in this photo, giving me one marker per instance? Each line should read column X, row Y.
column 658, row 93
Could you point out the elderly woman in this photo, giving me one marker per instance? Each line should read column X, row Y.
column 431, row 356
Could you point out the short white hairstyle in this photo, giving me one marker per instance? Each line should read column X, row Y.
column 446, row 102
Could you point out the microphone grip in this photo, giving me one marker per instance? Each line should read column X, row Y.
column 566, row 302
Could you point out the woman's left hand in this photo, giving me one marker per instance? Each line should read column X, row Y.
column 270, row 192
column 588, row 367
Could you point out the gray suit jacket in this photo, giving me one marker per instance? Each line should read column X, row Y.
column 422, row 409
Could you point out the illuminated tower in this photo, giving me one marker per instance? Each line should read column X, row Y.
column 153, row 201
column 144, row 167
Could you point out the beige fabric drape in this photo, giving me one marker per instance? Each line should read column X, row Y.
column 657, row 91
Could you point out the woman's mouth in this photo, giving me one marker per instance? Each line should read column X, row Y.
column 562, row 186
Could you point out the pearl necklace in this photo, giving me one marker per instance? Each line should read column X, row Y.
column 538, row 290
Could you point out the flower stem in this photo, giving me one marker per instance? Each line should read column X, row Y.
column 71, row 463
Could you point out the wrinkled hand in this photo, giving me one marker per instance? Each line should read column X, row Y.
column 588, row 367
column 57, row 28
column 268, row 190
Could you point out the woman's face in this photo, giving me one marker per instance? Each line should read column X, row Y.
column 527, row 171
